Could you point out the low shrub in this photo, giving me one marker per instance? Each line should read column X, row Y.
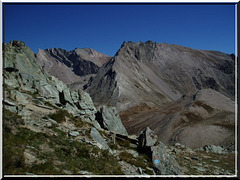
column 60, row 115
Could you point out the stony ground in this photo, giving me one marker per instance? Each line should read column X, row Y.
column 49, row 129
column 200, row 162
column 51, row 147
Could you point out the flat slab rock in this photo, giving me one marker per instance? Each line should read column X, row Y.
column 74, row 133
column 96, row 136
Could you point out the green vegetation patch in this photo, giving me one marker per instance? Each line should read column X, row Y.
column 12, row 118
column 64, row 155
column 138, row 162
column 14, row 147
column 123, row 143
column 60, row 115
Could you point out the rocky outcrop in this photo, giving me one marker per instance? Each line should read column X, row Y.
column 109, row 119
column 75, row 66
column 48, row 125
column 199, row 108
column 86, row 106
column 26, row 83
column 96, row 136
column 147, row 138
column 163, row 162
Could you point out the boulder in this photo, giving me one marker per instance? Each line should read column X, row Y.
column 109, row 119
column 11, row 82
column 86, row 101
column 74, row 133
column 47, row 90
column 85, row 105
column 163, row 162
column 96, row 136
column 147, row 138
column 214, row 149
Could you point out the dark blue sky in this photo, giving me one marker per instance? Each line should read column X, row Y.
column 105, row 27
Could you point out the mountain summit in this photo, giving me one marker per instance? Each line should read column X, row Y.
column 159, row 73
column 72, row 67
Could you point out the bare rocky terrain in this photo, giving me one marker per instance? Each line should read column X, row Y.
column 159, row 73
column 206, row 117
column 186, row 95
column 72, row 67
column 152, row 109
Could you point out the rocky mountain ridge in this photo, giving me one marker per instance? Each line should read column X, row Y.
column 51, row 129
column 72, row 67
column 179, row 92
column 159, row 73
column 156, row 77
column 52, row 120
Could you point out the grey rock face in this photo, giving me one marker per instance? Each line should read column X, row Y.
column 98, row 138
column 159, row 73
column 109, row 119
column 23, row 72
column 74, row 133
column 86, row 106
column 164, row 163
column 147, row 138
column 76, row 66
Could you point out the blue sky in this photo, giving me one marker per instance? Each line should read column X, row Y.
column 105, row 27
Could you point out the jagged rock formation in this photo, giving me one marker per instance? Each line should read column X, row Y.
column 47, row 126
column 156, row 75
column 32, row 88
column 109, row 119
column 191, row 92
column 163, row 162
column 72, row 67
column 147, row 138
column 159, row 73
column 46, row 121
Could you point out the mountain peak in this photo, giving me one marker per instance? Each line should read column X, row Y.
column 160, row 73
